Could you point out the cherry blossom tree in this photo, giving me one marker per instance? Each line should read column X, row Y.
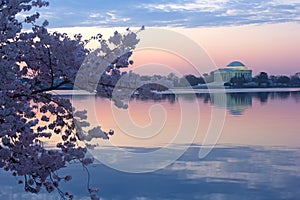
column 31, row 62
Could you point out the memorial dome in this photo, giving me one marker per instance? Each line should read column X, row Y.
column 236, row 65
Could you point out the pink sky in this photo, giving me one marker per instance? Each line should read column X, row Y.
column 270, row 42
column 273, row 48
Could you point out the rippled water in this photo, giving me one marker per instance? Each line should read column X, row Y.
column 256, row 153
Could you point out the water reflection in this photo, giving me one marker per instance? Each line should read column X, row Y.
column 264, row 118
column 262, row 161
column 235, row 102
column 228, row 172
column 296, row 96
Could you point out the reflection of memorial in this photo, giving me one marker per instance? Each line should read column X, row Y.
column 236, row 103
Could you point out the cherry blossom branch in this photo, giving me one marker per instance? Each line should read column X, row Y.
column 48, row 56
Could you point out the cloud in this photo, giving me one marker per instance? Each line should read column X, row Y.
column 251, row 165
column 106, row 19
column 185, row 13
column 203, row 5
column 94, row 15
column 112, row 17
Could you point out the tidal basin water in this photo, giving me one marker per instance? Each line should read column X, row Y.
column 253, row 140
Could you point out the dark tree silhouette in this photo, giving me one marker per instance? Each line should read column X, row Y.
column 238, row 81
column 193, row 80
column 262, row 78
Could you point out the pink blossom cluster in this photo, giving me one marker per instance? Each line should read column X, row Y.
column 30, row 62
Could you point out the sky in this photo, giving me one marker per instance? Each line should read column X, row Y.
column 264, row 35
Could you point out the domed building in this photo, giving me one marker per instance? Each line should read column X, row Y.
column 233, row 69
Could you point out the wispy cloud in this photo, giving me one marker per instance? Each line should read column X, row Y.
column 106, row 19
column 186, row 13
column 191, row 6
column 112, row 17
column 95, row 15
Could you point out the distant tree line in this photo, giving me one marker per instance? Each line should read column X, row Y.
column 184, row 81
column 160, row 82
column 264, row 80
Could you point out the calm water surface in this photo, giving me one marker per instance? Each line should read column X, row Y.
column 256, row 155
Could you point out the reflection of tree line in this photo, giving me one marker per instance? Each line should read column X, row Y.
column 236, row 103
column 263, row 97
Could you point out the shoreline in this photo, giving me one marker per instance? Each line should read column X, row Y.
column 226, row 90
column 191, row 91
